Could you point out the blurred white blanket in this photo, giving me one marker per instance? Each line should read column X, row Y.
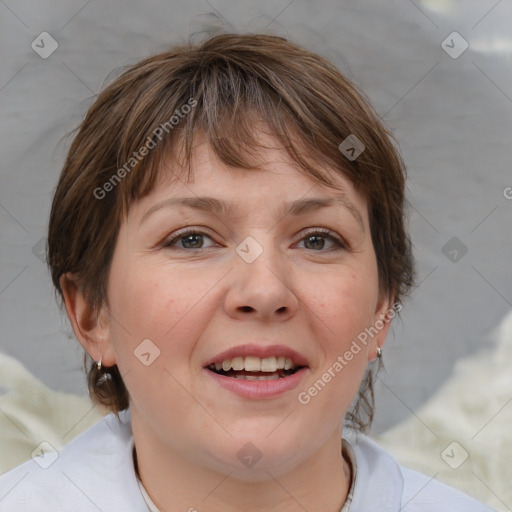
column 32, row 413
column 461, row 436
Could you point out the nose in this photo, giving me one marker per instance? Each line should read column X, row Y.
column 261, row 289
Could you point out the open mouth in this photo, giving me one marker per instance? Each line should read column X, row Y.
column 244, row 374
column 255, row 368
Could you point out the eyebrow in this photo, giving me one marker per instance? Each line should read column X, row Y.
column 224, row 208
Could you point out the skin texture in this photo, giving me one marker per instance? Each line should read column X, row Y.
column 194, row 301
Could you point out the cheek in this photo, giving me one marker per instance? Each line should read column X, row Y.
column 344, row 308
column 159, row 304
column 343, row 311
column 345, row 303
column 151, row 331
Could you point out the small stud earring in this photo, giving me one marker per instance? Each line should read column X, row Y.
column 379, row 352
column 98, row 364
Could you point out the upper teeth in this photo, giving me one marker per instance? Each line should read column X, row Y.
column 256, row 364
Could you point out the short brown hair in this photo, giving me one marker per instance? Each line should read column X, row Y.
column 231, row 80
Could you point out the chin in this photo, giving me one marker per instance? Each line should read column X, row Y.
column 255, row 461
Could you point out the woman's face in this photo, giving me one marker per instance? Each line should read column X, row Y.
column 284, row 270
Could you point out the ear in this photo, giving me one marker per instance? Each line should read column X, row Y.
column 384, row 314
column 90, row 325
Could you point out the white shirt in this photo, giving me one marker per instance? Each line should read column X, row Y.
column 346, row 507
column 95, row 471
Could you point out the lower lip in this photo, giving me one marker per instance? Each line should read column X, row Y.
column 258, row 389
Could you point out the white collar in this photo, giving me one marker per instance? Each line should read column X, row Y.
column 95, row 471
column 373, row 470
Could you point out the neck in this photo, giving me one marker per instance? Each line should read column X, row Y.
column 174, row 483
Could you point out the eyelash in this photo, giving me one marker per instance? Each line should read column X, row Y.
column 322, row 232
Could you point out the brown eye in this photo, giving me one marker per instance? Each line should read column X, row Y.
column 314, row 242
column 317, row 240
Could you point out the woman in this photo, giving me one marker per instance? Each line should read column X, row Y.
column 227, row 236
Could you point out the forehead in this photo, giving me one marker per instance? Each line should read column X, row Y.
column 275, row 185
column 273, row 167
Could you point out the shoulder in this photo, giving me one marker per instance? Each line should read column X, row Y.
column 94, row 471
column 382, row 484
column 424, row 493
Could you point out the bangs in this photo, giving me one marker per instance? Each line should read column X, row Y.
column 227, row 104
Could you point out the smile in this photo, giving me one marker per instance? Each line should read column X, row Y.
column 255, row 368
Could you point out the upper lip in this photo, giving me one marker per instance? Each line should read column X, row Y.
column 260, row 351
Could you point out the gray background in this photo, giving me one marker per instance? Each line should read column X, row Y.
column 451, row 116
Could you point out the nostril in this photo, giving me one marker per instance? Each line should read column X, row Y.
column 246, row 309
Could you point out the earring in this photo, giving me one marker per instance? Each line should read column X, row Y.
column 98, row 364
column 379, row 352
